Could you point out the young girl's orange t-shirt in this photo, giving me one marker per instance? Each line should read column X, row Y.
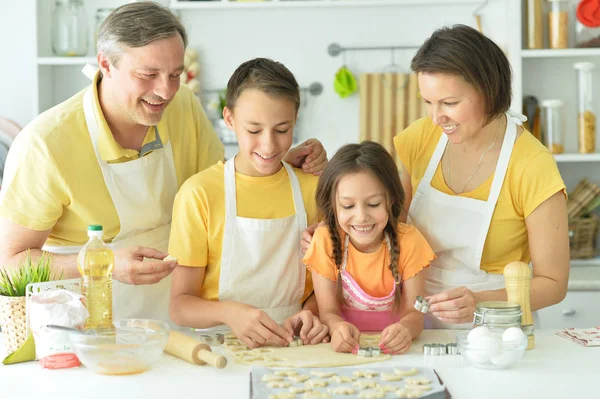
column 371, row 270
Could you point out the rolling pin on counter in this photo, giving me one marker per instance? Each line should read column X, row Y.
column 193, row 351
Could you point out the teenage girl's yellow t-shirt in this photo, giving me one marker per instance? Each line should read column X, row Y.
column 531, row 178
column 371, row 270
column 198, row 226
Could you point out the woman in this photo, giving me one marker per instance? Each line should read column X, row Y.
column 482, row 190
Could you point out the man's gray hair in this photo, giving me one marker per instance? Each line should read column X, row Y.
column 136, row 25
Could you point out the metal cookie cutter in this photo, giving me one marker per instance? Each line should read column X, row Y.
column 421, row 304
column 212, row 339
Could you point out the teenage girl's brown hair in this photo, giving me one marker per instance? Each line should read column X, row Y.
column 372, row 158
column 270, row 77
column 463, row 51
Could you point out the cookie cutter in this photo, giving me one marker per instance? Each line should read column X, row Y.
column 421, row 304
column 213, row 339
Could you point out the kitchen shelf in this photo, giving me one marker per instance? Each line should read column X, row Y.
column 585, row 262
column 66, row 60
column 561, row 53
column 197, row 5
column 577, row 157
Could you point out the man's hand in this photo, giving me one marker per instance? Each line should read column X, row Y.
column 308, row 327
column 255, row 328
column 310, row 156
column 130, row 267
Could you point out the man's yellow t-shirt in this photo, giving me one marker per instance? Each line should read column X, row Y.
column 532, row 177
column 53, row 179
column 198, row 223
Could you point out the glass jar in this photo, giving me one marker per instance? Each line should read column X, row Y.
column 587, row 24
column 586, row 117
column 497, row 315
column 558, row 23
column 101, row 15
column 553, row 125
column 535, row 34
column 69, row 29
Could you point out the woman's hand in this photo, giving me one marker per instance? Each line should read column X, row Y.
column 345, row 337
column 308, row 327
column 395, row 339
column 454, row 306
column 255, row 328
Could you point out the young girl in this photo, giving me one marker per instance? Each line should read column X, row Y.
column 365, row 263
column 236, row 226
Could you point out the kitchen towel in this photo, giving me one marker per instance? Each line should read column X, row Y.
column 583, row 336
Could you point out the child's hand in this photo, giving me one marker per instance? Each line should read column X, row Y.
column 395, row 339
column 345, row 337
column 308, row 327
column 255, row 328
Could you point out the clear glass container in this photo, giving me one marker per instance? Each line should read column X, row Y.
column 558, row 23
column 553, row 125
column 101, row 15
column 535, row 16
column 586, row 117
column 587, row 24
column 69, row 29
column 497, row 315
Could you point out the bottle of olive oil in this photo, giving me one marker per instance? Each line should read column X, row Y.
column 95, row 263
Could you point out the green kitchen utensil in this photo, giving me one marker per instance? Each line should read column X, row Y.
column 345, row 82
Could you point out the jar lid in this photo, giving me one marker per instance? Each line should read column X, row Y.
column 498, row 308
column 585, row 66
column 588, row 13
column 551, row 104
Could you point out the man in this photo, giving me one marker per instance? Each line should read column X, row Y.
column 115, row 154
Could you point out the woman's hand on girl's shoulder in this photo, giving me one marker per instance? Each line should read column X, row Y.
column 345, row 337
column 308, row 327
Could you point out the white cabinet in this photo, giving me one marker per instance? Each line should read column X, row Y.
column 579, row 309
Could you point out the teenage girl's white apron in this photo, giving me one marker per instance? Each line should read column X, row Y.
column 366, row 312
column 456, row 228
column 261, row 258
column 142, row 191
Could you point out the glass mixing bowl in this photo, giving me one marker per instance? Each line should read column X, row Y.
column 134, row 347
column 490, row 351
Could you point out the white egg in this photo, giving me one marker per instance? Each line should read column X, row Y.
column 514, row 334
column 477, row 333
column 478, row 356
column 505, row 359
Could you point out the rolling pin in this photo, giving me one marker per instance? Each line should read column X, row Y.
column 517, row 277
column 190, row 350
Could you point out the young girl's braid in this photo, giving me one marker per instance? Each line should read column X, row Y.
column 392, row 232
column 336, row 242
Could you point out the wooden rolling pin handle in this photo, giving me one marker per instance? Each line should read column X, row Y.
column 190, row 350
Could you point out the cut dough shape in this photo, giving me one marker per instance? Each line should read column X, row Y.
column 283, row 395
column 278, row 384
column 170, row 258
column 417, row 381
column 376, row 394
column 358, row 374
column 370, row 373
column 322, row 374
column 342, row 391
column 295, row 390
column 317, row 383
column 316, row 395
column 403, row 393
column 419, row 388
column 271, row 377
column 340, row 379
column 388, row 388
column 298, row 378
column 363, row 384
column 390, row 377
column 406, row 373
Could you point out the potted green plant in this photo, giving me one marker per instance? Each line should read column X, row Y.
column 13, row 284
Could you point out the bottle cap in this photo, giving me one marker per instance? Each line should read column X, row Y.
column 588, row 13
column 95, row 230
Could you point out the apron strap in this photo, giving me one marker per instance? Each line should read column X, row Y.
column 503, row 159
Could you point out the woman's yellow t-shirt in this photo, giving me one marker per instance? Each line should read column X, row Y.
column 198, row 225
column 371, row 270
column 531, row 178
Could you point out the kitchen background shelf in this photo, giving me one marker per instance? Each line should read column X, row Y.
column 577, row 157
column 561, row 53
column 221, row 4
column 66, row 60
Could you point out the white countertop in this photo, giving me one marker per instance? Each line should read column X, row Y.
column 584, row 275
column 556, row 368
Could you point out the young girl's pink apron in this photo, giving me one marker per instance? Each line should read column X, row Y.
column 366, row 312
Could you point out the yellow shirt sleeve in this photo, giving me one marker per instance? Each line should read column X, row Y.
column 319, row 255
column 409, row 143
column 33, row 192
column 540, row 180
column 415, row 252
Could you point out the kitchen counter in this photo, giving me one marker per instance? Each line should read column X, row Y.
column 556, row 368
column 585, row 275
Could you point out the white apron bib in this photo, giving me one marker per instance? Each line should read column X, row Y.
column 143, row 191
column 456, row 228
column 261, row 260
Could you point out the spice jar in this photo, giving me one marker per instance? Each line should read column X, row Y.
column 535, row 34
column 497, row 315
column 69, row 28
column 553, row 125
column 558, row 23
column 586, row 117
column 587, row 24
